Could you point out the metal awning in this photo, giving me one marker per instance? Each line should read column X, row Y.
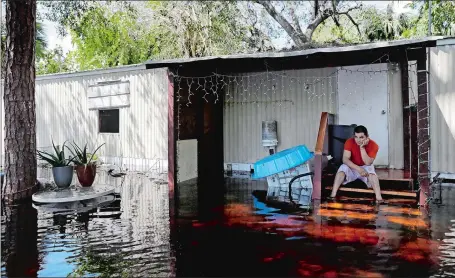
column 421, row 42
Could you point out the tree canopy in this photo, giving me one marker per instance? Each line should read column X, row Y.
column 112, row 33
column 442, row 15
column 106, row 38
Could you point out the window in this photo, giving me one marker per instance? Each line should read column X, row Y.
column 109, row 121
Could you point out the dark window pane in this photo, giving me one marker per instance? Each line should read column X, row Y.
column 109, row 121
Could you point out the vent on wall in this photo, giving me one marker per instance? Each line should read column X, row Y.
column 109, row 94
column 106, row 82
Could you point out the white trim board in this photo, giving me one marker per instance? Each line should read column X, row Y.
column 448, row 176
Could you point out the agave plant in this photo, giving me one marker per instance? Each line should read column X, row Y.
column 57, row 159
column 81, row 156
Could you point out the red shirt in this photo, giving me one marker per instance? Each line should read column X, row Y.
column 356, row 157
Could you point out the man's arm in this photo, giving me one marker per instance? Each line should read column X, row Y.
column 366, row 159
column 349, row 163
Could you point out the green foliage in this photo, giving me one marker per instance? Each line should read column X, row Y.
column 379, row 25
column 41, row 41
column 81, row 156
column 106, row 39
column 345, row 33
column 200, row 28
column 67, row 13
column 124, row 34
column 56, row 160
column 443, row 18
column 53, row 61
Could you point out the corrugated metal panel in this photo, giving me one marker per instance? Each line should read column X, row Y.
column 412, row 67
column 442, row 114
column 63, row 114
column 254, row 98
column 299, row 114
column 396, row 148
column 2, row 125
column 306, row 52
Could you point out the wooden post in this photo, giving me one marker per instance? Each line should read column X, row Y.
column 414, row 145
column 406, row 115
column 423, row 123
column 317, row 181
column 171, row 140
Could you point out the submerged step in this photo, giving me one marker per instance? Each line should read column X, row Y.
column 384, row 192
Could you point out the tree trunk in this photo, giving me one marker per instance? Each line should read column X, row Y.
column 19, row 98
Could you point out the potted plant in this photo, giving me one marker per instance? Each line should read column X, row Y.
column 62, row 171
column 85, row 164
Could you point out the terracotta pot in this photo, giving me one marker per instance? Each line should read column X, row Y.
column 86, row 174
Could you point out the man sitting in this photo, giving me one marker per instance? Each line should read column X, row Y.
column 359, row 154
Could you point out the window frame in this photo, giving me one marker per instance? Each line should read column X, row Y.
column 100, row 111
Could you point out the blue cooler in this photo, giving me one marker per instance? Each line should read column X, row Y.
column 281, row 167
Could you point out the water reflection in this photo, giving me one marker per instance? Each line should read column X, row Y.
column 19, row 241
column 123, row 234
column 239, row 229
column 263, row 236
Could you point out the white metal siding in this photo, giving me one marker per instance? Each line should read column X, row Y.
column 363, row 99
column 298, row 116
column 298, row 121
column 63, row 113
column 442, row 105
column 396, row 140
column 2, row 125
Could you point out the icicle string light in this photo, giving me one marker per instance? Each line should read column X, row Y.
column 244, row 89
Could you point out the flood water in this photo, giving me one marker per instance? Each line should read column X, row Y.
column 230, row 230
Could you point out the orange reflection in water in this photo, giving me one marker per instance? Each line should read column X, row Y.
column 402, row 201
column 358, row 207
column 421, row 250
column 402, row 210
column 309, row 269
column 342, row 233
column 241, row 214
column 287, row 225
column 409, row 222
column 291, row 225
column 346, row 214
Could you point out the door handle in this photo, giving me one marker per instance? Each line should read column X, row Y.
column 383, row 112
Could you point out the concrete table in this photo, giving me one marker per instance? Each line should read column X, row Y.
column 75, row 207
column 72, row 194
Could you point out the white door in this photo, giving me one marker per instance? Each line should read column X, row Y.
column 363, row 100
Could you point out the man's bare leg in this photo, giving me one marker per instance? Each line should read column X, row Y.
column 374, row 182
column 339, row 179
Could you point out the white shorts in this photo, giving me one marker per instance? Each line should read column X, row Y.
column 352, row 175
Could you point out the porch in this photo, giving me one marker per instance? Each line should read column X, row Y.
column 201, row 90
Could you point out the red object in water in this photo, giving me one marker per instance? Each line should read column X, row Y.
column 86, row 174
column 330, row 274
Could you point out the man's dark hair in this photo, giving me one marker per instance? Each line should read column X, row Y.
column 360, row 129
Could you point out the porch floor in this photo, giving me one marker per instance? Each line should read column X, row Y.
column 393, row 175
column 394, row 182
